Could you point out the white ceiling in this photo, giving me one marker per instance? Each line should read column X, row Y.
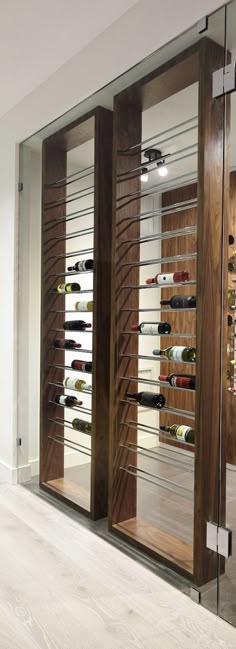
column 38, row 37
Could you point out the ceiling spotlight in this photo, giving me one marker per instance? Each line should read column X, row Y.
column 144, row 174
column 155, row 155
column 162, row 168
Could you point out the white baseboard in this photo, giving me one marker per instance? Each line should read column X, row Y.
column 13, row 475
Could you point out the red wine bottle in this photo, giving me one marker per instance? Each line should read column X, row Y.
column 148, row 399
column 61, row 343
column 181, row 302
column 231, row 239
column 68, row 401
column 152, row 328
column 81, row 266
column 82, row 366
column 169, row 278
column 76, row 325
column 187, row 381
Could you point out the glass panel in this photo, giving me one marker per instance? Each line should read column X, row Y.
column 227, row 569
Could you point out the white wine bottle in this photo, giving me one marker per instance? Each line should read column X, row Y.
column 177, row 353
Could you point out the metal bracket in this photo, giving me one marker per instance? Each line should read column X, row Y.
column 20, row 187
column 195, row 595
column 18, row 441
column 224, row 80
column 202, row 25
column 219, row 539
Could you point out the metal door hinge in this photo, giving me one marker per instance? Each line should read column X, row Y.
column 18, row 441
column 202, row 25
column 20, row 187
column 224, row 80
column 219, row 539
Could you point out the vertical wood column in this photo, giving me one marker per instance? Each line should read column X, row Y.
column 209, row 309
column 54, row 168
column 126, row 204
column 102, row 311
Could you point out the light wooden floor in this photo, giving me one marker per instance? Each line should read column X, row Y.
column 62, row 587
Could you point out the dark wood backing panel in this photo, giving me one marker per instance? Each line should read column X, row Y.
column 51, row 454
column 181, row 322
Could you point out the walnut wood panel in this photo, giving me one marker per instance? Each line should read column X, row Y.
column 181, row 322
column 209, row 309
column 51, row 454
column 75, row 133
column 159, row 542
column 97, row 124
column 229, row 401
column 101, row 314
column 127, row 132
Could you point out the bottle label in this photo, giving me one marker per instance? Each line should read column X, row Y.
column 61, row 288
column 70, row 383
column 182, row 432
column 62, row 400
column 84, row 306
column 176, row 353
column 180, row 381
column 150, row 328
column 165, row 278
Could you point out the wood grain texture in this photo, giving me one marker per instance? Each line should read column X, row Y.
column 97, row 124
column 209, row 301
column 75, row 133
column 79, row 606
column 127, row 132
column 54, row 168
column 71, row 491
column 101, row 312
column 158, row 541
column 184, row 322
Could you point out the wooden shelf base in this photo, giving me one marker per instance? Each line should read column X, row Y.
column 174, row 550
column 70, row 491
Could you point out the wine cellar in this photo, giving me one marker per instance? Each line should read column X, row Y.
column 169, row 243
column 76, row 285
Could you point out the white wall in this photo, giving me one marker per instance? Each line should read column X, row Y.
column 145, row 28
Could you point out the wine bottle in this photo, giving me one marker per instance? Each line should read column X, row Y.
column 148, row 399
column 76, row 325
column 169, row 278
column 231, row 239
column 84, row 306
column 231, row 321
column 177, row 353
column 74, row 287
column 61, row 343
column 181, row 302
column 76, row 384
column 82, row 426
column 82, row 366
column 182, row 433
column 81, row 266
column 187, row 381
column 152, row 328
column 68, row 401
